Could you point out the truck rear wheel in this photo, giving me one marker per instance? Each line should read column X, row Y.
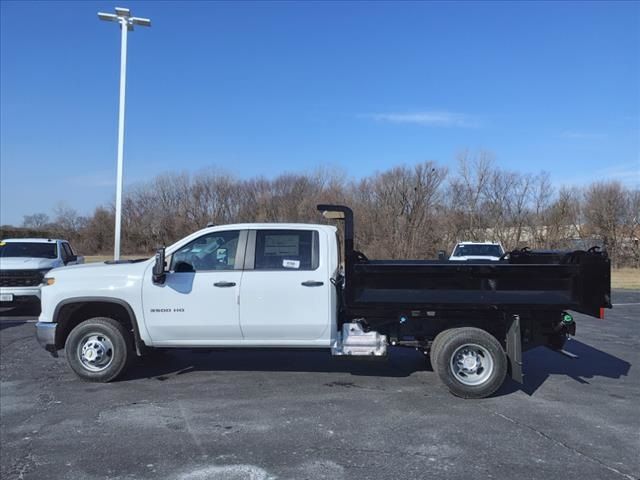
column 557, row 341
column 99, row 349
column 470, row 362
column 436, row 344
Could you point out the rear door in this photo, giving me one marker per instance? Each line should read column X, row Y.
column 286, row 292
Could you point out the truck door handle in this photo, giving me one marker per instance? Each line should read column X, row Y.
column 312, row 283
column 224, row 284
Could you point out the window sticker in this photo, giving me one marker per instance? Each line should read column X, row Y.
column 280, row 245
column 291, row 263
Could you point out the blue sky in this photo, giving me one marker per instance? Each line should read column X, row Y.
column 266, row 88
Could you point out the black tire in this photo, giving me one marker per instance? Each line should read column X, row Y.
column 436, row 344
column 104, row 332
column 557, row 341
column 494, row 365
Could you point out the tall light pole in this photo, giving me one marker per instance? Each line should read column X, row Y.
column 126, row 21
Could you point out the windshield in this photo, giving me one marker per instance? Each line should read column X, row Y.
column 27, row 249
column 478, row 251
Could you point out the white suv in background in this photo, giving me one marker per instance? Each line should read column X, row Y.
column 23, row 264
column 477, row 251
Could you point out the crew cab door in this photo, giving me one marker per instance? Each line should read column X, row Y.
column 286, row 290
column 198, row 303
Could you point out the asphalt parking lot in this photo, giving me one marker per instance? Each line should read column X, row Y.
column 287, row 415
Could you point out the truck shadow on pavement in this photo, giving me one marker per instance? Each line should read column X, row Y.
column 540, row 363
column 14, row 321
column 163, row 366
column 11, row 323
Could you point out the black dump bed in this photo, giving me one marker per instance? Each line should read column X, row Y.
column 578, row 280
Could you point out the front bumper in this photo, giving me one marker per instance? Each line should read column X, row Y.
column 20, row 297
column 46, row 335
column 21, row 291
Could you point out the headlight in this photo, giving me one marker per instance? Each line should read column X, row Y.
column 48, row 281
column 43, row 273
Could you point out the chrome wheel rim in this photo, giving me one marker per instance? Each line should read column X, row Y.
column 95, row 352
column 471, row 364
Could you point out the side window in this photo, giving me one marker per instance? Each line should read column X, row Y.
column 286, row 250
column 66, row 252
column 214, row 251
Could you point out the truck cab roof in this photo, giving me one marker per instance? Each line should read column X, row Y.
column 478, row 243
column 31, row 240
column 249, row 226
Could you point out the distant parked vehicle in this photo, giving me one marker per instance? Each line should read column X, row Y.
column 23, row 264
column 477, row 251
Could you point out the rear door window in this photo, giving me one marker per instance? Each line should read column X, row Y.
column 286, row 250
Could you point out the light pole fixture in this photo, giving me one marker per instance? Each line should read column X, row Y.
column 127, row 22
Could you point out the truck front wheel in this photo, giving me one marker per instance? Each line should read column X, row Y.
column 471, row 362
column 99, row 349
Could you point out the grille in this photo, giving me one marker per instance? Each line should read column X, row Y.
column 20, row 278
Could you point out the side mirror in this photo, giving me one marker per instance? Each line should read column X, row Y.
column 442, row 255
column 159, row 274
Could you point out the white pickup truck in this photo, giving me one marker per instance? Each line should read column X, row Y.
column 284, row 286
column 465, row 251
column 23, row 264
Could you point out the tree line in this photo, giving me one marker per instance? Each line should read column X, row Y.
column 404, row 212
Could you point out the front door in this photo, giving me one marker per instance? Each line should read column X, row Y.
column 198, row 303
column 286, row 292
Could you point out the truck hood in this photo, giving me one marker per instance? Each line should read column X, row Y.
column 101, row 268
column 24, row 263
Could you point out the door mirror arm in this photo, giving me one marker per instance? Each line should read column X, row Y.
column 159, row 272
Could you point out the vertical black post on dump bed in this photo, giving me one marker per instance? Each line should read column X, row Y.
column 341, row 212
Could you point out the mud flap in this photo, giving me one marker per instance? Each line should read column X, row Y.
column 514, row 349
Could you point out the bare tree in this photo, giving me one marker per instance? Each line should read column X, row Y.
column 631, row 231
column 605, row 210
column 37, row 221
column 403, row 212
